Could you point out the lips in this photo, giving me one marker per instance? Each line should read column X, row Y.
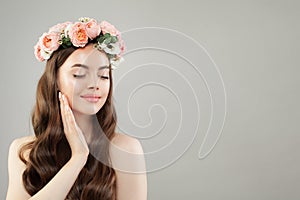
column 91, row 98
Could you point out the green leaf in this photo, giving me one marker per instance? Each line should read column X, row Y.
column 101, row 39
column 106, row 35
column 114, row 39
column 107, row 40
column 66, row 42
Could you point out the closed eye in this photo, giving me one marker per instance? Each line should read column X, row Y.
column 78, row 76
column 105, row 77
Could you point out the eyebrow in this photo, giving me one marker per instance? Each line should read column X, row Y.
column 86, row 67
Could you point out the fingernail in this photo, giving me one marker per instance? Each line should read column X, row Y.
column 59, row 95
column 63, row 97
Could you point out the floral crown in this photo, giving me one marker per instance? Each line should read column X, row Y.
column 78, row 34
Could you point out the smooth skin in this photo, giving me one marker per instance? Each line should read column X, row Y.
column 130, row 186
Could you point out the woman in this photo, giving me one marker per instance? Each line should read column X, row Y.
column 73, row 152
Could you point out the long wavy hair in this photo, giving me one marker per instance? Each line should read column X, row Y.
column 96, row 180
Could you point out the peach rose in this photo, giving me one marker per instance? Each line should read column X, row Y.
column 108, row 28
column 92, row 28
column 37, row 52
column 78, row 35
column 50, row 41
column 59, row 28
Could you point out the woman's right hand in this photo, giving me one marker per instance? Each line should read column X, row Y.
column 72, row 131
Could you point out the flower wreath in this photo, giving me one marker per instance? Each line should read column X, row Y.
column 78, row 34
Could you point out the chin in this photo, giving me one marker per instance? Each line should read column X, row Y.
column 87, row 110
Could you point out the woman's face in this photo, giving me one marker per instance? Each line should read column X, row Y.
column 84, row 79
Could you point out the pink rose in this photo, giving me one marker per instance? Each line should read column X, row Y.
column 59, row 28
column 50, row 41
column 121, row 44
column 78, row 35
column 92, row 28
column 37, row 52
column 108, row 28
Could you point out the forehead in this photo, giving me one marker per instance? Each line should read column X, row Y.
column 87, row 56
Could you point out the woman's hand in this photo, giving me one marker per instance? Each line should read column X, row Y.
column 72, row 131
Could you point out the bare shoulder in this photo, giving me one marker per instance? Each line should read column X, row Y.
column 15, row 146
column 23, row 140
column 17, row 143
column 16, row 167
column 129, row 167
column 127, row 143
column 127, row 154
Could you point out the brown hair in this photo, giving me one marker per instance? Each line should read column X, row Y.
column 96, row 180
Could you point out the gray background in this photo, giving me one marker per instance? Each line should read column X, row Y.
column 255, row 45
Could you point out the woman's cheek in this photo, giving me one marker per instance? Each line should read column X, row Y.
column 70, row 88
column 107, row 85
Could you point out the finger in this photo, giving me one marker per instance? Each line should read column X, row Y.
column 71, row 117
column 68, row 114
column 63, row 112
column 73, row 128
column 70, row 120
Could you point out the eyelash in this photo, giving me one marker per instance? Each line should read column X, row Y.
column 81, row 76
column 105, row 77
column 78, row 76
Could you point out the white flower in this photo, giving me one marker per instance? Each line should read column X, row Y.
column 112, row 48
column 102, row 45
column 116, row 62
column 67, row 29
column 46, row 55
column 84, row 19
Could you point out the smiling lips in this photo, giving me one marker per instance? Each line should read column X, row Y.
column 91, row 98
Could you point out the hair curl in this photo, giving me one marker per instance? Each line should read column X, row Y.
column 96, row 180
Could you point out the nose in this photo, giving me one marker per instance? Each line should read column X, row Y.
column 94, row 87
column 94, row 83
